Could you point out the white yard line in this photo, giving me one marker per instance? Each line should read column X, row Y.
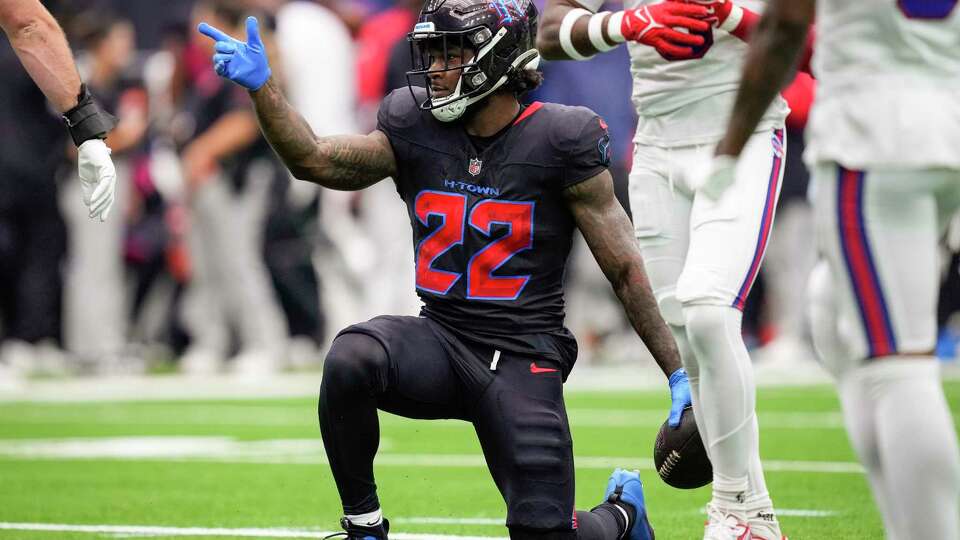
column 220, row 415
column 310, row 452
column 148, row 530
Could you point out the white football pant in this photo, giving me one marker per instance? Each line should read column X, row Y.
column 703, row 257
column 873, row 315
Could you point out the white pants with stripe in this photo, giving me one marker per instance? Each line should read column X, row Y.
column 879, row 233
column 699, row 251
column 873, row 310
column 702, row 257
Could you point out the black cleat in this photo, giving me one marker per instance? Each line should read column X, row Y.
column 360, row 532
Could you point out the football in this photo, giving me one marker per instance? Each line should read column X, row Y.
column 679, row 455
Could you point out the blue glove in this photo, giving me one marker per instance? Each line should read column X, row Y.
column 679, row 396
column 243, row 63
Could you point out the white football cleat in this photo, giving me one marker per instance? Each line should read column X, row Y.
column 725, row 525
column 764, row 526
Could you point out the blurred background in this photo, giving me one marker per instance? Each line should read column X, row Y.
column 215, row 260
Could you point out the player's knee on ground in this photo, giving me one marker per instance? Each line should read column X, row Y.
column 356, row 362
column 522, row 533
column 542, row 469
column 530, row 454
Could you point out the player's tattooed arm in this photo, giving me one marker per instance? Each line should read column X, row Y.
column 774, row 50
column 608, row 232
column 343, row 162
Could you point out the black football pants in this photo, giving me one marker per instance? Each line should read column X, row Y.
column 405, row 366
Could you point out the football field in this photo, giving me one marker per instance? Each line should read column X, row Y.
column 254, row 468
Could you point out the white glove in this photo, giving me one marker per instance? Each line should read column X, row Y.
column 718, row 177
column 98, row 178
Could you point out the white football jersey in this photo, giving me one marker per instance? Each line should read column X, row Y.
column 889, row 84
column 688, row 102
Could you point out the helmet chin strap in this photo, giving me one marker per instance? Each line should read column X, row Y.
column 458, row 104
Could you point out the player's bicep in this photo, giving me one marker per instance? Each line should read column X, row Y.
column 352, row 162
column 604, row 225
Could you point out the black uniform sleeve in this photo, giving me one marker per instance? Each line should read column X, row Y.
column 586, row 146
column 398, row 114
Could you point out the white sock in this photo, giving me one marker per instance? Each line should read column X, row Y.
column 727, row 393
column 902, row 429
column 370, row 519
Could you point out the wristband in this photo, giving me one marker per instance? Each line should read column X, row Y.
column 732, row 21
column 676, row 376
column 566, row 33
column 615, row 27
column 595, row 31
column 86, row 121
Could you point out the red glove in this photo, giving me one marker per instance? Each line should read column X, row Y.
column 657, row 26
column 740, row 22
column 726, row 15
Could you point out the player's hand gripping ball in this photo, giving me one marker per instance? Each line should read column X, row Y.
column 679, row 455
column 243, row 63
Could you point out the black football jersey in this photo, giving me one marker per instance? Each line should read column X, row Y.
column 491, row 228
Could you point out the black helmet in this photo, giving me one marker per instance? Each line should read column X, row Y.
column 502, row 33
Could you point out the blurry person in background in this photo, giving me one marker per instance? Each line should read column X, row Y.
column 376, row 38
column 95, row 309
column 218, row 137
column 310, row 32
column 32, row 139
column 41, row 46
column 383, row 58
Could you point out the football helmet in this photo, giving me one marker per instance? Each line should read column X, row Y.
column 501, row 33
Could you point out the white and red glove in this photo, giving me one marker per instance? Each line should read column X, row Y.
column 726, row 15
column 659, row 26
column 741, row 22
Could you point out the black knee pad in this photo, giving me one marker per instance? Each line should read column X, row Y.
column 523, row 533
column 356, row 361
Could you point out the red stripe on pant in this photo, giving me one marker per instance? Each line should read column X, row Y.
column 766, row 222
column 860, row 265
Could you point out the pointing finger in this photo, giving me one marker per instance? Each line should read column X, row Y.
column 213, row 33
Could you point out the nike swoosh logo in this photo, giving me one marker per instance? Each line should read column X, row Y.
column 534, row 368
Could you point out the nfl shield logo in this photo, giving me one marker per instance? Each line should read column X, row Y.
column 475, row 166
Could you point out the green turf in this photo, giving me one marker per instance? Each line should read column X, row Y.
column 210, row 493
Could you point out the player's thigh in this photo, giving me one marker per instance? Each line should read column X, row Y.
column 521, row 422
column 729, row 235
column 661, row 221
column 879, row 232
column 419, row 380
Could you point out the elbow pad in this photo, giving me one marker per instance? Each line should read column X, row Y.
column 86, row 120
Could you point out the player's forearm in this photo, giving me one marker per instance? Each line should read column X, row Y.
column 343, row 162
column 634, row 291
column 549, row 36
column 608, row 232
column 43, row 50
column 774, row 49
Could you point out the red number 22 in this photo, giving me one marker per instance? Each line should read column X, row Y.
column 481, row 283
